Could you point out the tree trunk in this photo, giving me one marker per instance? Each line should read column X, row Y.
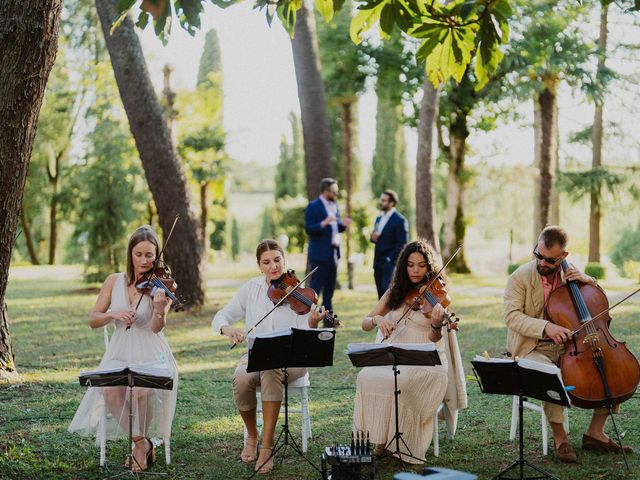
column 347, row 149
column 28, row 44
column 164, row 173
column 53, row 209
column 28, row 239
column 596, row 140
column 313, row 106
column 547, row 160
column 455, row 226
column 204, row 215
column 425, row 167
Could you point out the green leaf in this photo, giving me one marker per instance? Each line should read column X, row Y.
column 143, row 20
column 124, row 5
column 325, row 7
column 287, row 15
column 364, row 20
column 387, row 19
column 427, row 29
column 188, row 12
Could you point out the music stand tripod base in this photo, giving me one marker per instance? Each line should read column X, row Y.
column 521, row 462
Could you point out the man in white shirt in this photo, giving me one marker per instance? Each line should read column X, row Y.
column 390, row 234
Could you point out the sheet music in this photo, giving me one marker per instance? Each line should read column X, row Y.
column 523, row 363
column 155, row 369
column 276, row 333
column 367, row 347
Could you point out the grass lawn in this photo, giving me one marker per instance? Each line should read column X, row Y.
column 49, row 306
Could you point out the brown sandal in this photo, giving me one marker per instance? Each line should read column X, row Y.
column 150, row 456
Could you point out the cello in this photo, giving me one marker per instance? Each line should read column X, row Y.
column 601, row 369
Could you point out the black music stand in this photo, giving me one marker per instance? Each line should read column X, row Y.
column 142, row 375
column 291, row 348
column 524, row 378
column 380, row 355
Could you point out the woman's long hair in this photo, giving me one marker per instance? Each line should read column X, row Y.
column 145, row 232
column 401, row 284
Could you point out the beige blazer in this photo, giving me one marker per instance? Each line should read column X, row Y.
column 524, row 309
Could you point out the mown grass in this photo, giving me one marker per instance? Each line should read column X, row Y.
column 48, row 308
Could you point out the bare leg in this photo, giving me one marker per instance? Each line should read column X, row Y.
column 559, row 434
column 250, row 421
column 270, row 412
column 115, row 399
column 143, row 401
column 596, row 427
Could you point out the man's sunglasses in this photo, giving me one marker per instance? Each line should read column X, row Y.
column 546, row 259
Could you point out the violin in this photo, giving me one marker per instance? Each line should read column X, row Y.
column 430, row 294
column 159, row 278
column 301, row 300
column 601, row 369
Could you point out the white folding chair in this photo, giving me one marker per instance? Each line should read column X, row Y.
column 102, row 426
column 296, row 387
column 543, row 421
column 436, row 433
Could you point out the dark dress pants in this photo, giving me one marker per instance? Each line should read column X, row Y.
column 323, row 281
column 382, row 274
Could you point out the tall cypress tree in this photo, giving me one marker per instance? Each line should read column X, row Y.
column 290, row 174
column 396, row 74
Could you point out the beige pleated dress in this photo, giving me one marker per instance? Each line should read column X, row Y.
column 422, row 391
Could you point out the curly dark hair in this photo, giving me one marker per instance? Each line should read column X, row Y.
column 401, row 284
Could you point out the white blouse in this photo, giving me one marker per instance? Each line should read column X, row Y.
column 252, row 303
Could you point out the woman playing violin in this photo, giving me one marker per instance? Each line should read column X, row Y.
column 251, row 303
column 423, row 388
column 137, row 339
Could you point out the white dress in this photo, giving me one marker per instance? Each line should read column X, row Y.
column 137, row 345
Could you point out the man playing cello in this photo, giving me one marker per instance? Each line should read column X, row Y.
column 525, row 300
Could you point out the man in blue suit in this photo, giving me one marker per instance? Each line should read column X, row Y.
column 390, row 233
column 323, row 225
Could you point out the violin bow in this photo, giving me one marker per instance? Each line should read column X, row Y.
column 149, row 272
column 277, row 304
column 433, row 279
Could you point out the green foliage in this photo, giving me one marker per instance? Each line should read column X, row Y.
column 595, row 270
column 201, row 140
column 108, row 189
column 626, row 249
column 50, row 158
column 581, row 184
column 267, row 226
column 344, row 71
column 235, row 238
column 362, row 218
column 452, row 32
column 290, row 172
column 512, row 268
column 210, row 61
column 548, row 46
column 288, row 219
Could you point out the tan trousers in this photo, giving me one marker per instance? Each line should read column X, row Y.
column 270, row 381
column 550, row 353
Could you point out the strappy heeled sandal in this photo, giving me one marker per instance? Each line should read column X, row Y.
column 150, row 456
column 250, row 450
column 262, row 464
